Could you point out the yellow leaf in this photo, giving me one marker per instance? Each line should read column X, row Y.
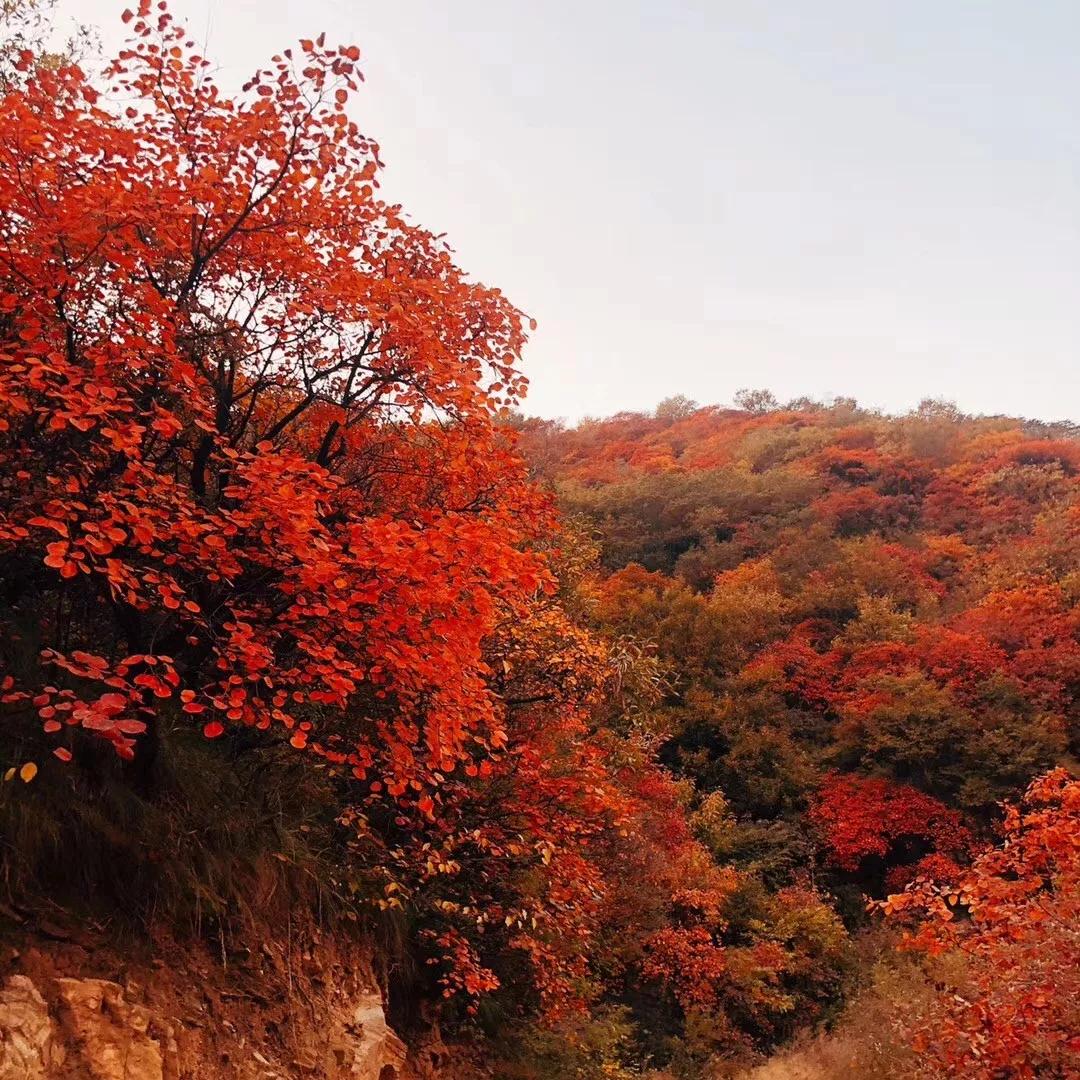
column 28, row 772
column 9, row 774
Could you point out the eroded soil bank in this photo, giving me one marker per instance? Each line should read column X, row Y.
column 76, row 1007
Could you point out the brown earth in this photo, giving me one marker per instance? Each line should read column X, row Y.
column 76, row 1005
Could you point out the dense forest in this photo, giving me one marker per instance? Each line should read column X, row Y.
column 660, row 745
column 865, row 632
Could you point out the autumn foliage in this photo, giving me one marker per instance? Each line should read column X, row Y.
column 1013, row 916
column 215, row 444
column 258, row 483
column 253, row 481
column 613, row 729
column 864, row 819
column 868, row 629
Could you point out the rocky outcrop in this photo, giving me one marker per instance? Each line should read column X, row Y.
column 377, row 1052
column 116, row 1039
column 94, row 1030
column 29, row 1048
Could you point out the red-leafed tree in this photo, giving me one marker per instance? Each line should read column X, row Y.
column 1012, row 918
column 872, row 825
column 250, row 465
column 255, row 479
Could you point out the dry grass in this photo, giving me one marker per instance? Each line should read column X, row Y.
column 227, row 840
column 868, row 1040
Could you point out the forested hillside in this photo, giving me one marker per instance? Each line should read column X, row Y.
column 866, row 629
column 331, row 687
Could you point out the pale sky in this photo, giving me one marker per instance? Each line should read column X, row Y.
column 823, row 197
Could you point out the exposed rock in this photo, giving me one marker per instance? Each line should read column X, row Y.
column 376, row 1051
column 162, row 1024
column 117, row 1040
column 29, row 1049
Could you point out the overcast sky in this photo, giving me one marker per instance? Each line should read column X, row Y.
column 839, row 197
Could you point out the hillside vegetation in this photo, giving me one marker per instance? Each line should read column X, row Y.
column 866, row 629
